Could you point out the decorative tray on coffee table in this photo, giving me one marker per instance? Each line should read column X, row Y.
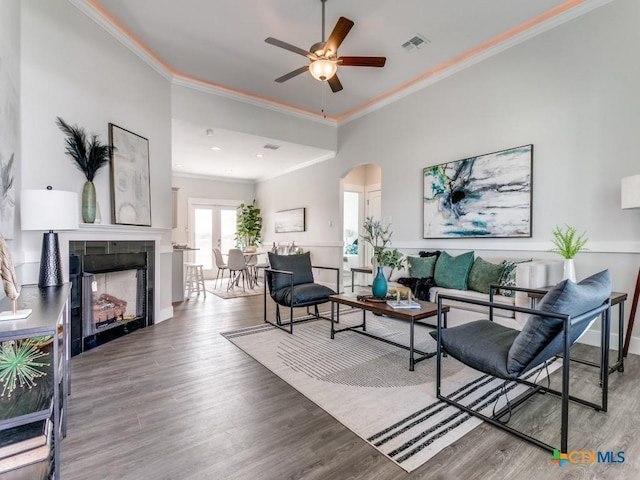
column 372, row 299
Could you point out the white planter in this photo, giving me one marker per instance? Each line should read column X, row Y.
column 569, row 269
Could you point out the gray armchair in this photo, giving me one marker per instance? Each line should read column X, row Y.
column 565, row 312
column 291, row 285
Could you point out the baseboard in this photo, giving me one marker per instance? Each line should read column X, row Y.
column 164, row 314
column 592, row 337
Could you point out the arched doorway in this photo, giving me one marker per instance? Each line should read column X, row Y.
column 361, row 197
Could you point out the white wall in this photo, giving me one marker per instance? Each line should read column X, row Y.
column 190, row 187
column 572, row 92
column 74, row 69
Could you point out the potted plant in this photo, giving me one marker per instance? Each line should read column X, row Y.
column 248, row 226
column 568, row 243
column 89, row 155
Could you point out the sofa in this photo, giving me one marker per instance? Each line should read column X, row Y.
column 469, row 275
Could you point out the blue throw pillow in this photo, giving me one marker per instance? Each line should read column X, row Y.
column 566, row 297
column 453, row 272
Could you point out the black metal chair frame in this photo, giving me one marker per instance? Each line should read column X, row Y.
column 316, row 313
column 604, row 311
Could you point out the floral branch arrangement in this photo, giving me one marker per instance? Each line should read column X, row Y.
column 567, row 242
column 379, row 237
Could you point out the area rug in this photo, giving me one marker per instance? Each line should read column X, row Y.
column 234, row 292
column 367, row 386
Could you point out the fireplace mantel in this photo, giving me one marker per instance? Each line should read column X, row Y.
column 89, row 232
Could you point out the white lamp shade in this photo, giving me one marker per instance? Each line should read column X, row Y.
column 322, row 69
column 630, row 197
column 48, row 210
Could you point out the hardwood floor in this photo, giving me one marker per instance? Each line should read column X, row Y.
column 178, row 401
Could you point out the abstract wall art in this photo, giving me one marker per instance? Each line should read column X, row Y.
column 290, row 220
column 130, row 180
column 484, row 196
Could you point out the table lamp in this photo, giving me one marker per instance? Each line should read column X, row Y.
column 49, row 210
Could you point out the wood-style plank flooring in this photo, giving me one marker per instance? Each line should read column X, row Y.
column 178, row 401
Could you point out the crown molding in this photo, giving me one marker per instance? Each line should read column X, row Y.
column 212, row 89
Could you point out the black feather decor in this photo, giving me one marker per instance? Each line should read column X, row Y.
column 88, row 152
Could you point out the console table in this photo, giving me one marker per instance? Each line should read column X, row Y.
column 355, row 270
column 48, row 398
column 616, row 298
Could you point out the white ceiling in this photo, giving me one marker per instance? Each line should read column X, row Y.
column 221, row 42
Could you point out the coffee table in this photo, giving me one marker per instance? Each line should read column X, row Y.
column 411, row 315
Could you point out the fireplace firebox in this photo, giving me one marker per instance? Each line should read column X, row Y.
column 110, row 294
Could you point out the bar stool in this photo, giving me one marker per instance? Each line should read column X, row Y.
column 194, row 279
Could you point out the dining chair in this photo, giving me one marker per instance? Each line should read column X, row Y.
column 220, row 265
column 237, row 268
column 252, row 261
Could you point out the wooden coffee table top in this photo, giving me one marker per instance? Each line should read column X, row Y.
column 427, row 309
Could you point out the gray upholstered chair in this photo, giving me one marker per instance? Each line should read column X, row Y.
column 220, row 264
column 291, row 285
column 237, row 268
column 565, row 312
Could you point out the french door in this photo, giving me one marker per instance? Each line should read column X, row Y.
column 211, row 226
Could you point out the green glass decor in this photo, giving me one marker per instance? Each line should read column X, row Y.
column 19, row 365
column 88, row 202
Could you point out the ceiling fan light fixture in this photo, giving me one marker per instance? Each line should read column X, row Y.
column 323, row 69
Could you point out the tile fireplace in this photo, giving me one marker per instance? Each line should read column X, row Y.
column 112, row 290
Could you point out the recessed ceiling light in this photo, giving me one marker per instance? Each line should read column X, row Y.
column 216, row 148
column 259, row 155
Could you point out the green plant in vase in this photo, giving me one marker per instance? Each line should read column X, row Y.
column 248, row 226
column 568, row 243
column 89, row 155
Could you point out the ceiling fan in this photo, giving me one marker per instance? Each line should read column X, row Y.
column 324, row 55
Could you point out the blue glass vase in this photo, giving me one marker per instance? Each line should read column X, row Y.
column 379, row 285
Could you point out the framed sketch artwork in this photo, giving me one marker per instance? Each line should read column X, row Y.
column 130, row 180
column 290, row 220
column 484, row 196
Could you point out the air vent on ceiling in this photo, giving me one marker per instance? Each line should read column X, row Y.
column 415, row 43
column 271, row 146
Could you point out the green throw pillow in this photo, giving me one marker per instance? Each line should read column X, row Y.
column 508, row 277
column 483, row 274
column 453, row 272
column 421, row 267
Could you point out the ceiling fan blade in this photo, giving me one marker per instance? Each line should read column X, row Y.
column 291, row 48
column 295, row 73
column 334, row 83
column 339, row 33
column 362, row 61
